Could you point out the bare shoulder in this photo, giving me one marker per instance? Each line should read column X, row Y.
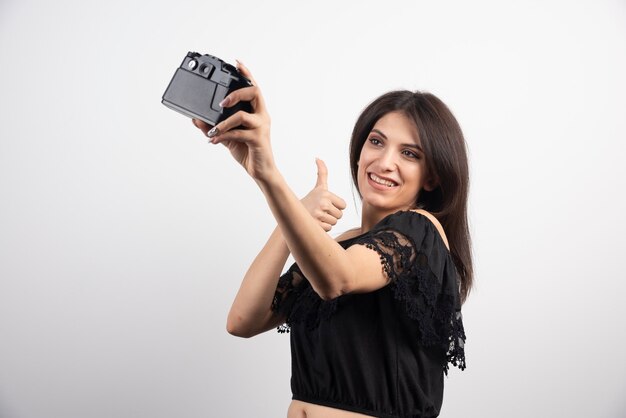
column 350, row 233
column 435, row 222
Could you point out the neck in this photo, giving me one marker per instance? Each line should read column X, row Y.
column 370, row 216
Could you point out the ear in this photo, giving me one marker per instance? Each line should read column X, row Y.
column 431, row 184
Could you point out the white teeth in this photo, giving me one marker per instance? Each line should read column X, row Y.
column 382, row 181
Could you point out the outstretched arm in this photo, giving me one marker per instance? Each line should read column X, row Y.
column 330, row 269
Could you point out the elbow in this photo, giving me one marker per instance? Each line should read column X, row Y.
column 332, row 292
column 342, row 285
column 327, row 296
column 238, row 333
column 236, row 327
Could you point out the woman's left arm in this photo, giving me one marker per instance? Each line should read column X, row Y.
column 331, row 269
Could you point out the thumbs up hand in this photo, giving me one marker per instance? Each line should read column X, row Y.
column 323, row 205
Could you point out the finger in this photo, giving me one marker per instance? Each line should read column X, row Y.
column 240, row 118
column 322, row 174
column 245, row 94
column 236, row 135
column 327, row 227
column 258, row 103
column 338, row 202
column 250, row 94
column 200, row 124
column 245, row 72
column 334, row 212
column 203, row 126
column 328, row 219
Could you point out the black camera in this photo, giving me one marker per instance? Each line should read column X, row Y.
column 200, row 84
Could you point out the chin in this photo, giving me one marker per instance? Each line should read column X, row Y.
column 385, row 205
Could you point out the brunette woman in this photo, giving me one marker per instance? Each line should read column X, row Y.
column 375, row 314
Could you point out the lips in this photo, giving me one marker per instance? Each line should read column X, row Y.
column 381, row 181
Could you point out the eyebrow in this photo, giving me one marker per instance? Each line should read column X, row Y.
column 404, row 145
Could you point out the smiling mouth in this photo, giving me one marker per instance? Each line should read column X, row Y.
column 381, row 181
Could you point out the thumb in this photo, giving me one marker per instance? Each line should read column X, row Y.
column 322, row 174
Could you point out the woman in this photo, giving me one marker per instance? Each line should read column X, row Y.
column 375, row 314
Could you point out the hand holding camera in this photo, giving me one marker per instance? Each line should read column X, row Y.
column 246, row 134
column 200, row 84
column 226, row 104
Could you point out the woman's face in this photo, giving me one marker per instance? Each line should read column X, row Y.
column 391, row 165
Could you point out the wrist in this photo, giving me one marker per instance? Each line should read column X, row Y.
column 270, row 180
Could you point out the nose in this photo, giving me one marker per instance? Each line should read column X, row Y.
column 387, row 161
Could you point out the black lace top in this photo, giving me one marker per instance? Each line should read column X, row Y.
column 382, row 353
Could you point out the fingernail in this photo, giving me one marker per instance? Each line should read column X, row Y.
column 213, row 132
column 225, row 102
column 239, row 63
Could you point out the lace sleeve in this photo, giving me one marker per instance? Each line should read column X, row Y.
column 290, row 286
column 423, row 278
column 296, row 300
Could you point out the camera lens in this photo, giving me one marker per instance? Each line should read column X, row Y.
column 192, row 64
column 204, row 69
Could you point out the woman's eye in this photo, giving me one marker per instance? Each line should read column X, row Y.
column 410, row 154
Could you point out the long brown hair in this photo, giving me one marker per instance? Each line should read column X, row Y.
column 445, row 155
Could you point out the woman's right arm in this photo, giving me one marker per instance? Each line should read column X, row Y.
column 251, row 312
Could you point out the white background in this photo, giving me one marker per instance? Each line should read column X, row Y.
column 124, row 235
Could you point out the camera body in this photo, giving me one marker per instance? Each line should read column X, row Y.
column 200, row 84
